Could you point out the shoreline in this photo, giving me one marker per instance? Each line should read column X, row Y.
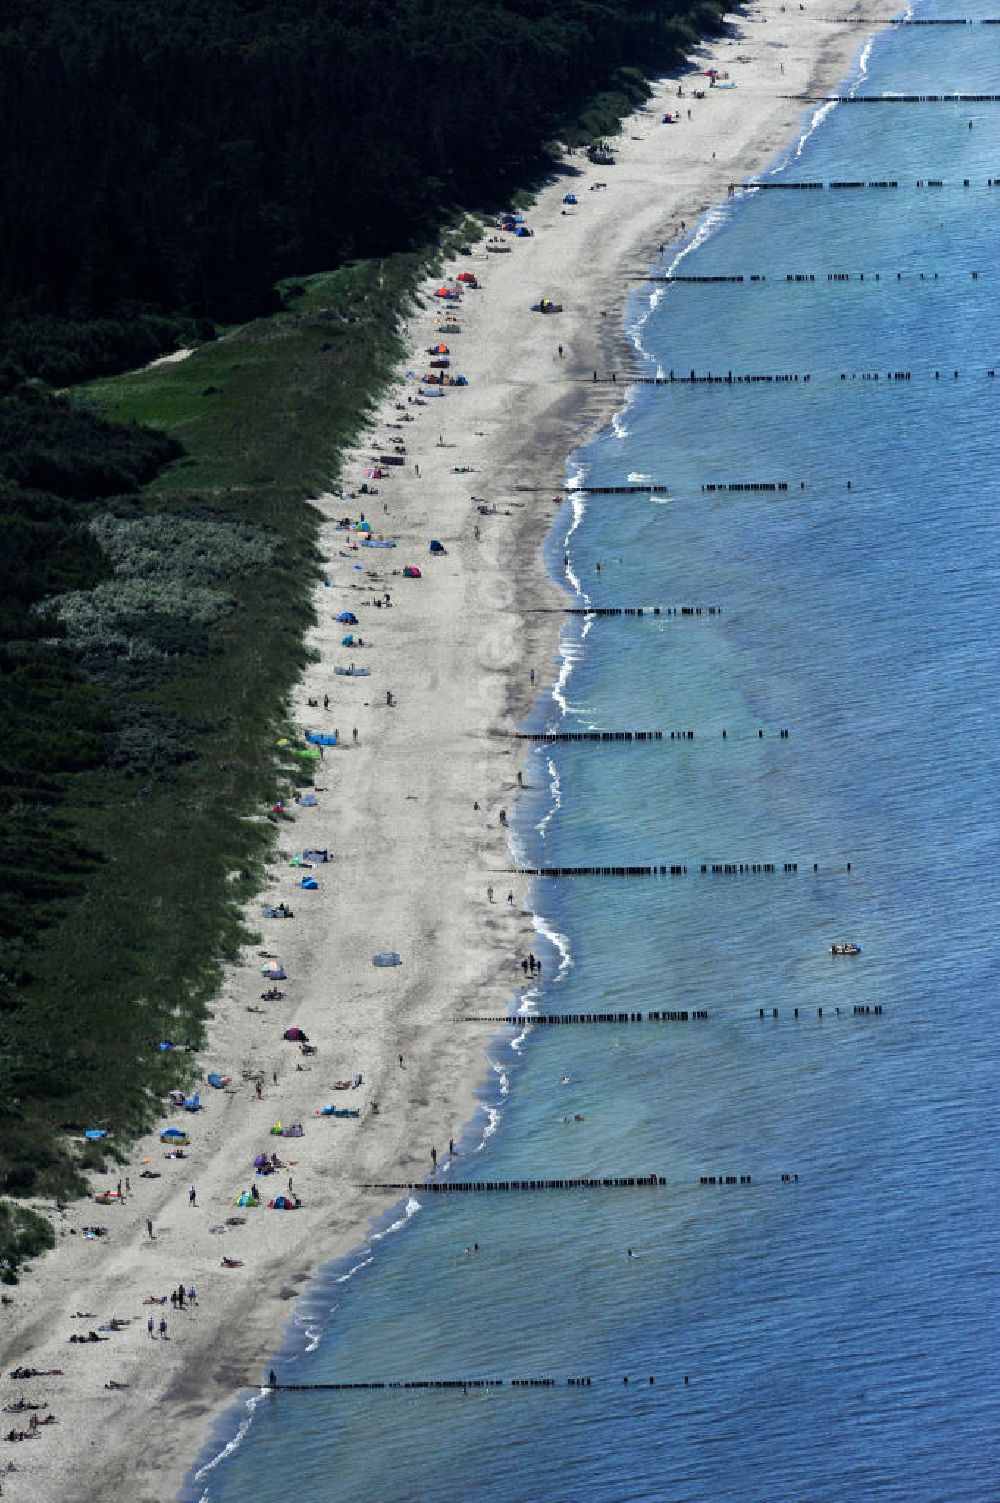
column 412, row 858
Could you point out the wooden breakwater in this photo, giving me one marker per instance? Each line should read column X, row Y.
column 548, row 737
column 521, row 1186
column 460, row 1385
column 893, row 98
column 580, row 1019
column 641, row 610
column 799, row 278
column 675, row 869
column 628, row 1019
column 654, row 487
column 744, row 378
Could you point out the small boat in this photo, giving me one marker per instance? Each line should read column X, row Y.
column 847, row 948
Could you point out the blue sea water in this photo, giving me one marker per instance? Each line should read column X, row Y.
column 838, row 1332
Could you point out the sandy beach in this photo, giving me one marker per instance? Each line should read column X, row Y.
column 412, row 856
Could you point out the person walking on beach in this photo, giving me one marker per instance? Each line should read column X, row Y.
column 149, row 1227
column 192, row 1296
column 355, row 735
column 434, row 1157
column 192, row 1196
column 149, row 1328
column 401, row 1065
column 163, row 1328
column 510, row 899
column 489, row 895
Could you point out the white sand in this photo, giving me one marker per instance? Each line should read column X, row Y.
column 412, row 857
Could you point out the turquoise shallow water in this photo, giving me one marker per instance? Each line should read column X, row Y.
column 837, row 1332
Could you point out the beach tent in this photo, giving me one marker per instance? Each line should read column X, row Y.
column 261, row 1160
column 347, row 641
column 364, row 527
column 387, row 957
column 309, row 884
column 438, row 349
column 276, row 1129
column 437, row 547
column 216, row 1080
column 295, row 1036
column 273, row 970
column 311, row 855
column 95, row 1133
column 306, row 799
column 523, row 233
column 468, row 278
column 433, row 391
column 166, row 1046
column 248, row 1200
column 294, row 1131
column 348, row 618
column 192, row 1103
column 459, row 381
column 411, row 572
column 285, row 1203
column 321, row 738
column 570, row 198
column 175, row 1137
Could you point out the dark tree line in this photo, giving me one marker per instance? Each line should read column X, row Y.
column 182, row 155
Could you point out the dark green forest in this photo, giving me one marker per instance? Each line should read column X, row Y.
column 186, row 154
column 164, row 165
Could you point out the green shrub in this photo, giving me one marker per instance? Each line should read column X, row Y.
column 24, row 1234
